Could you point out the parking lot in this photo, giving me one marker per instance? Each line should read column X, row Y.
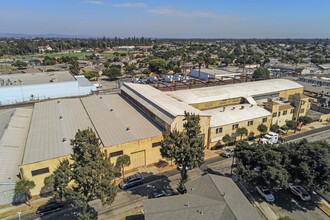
column 287, row 204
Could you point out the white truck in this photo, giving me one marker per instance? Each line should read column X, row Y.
column 270, row 138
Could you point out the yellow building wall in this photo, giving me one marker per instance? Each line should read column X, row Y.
column 227, row 129
column 217, row 103
column 204, row 123
column 325, row 117
column 280, row 121
column 287, row 93
column 152, row 155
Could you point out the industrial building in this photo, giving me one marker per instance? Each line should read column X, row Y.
column 15, row 88
column 132, row 122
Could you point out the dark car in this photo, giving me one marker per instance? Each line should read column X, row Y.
column 281, row 140
column 131, row 181
column 49, row 207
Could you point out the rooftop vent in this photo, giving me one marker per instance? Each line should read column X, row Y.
column 58, row 101
column 233, row 108
column 187, row 204
column 61, row 117
column 64, row 140
column 251, row 106
column 111, row 110
column 127, row 129
column 100, row 97
column 242, row 107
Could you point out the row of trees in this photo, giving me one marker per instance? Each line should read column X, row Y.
column 306, row 163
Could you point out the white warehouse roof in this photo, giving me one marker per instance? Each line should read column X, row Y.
column 247, row 89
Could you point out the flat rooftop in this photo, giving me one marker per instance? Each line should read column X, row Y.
column 35, row 78
column 158, row 102
column 14, row 128
column 235, row 114
column 246, row 89
column 52, row 121
column 117, row 121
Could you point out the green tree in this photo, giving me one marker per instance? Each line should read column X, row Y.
column 157, row 65
column 177, row 69
column 186, row 147
column 292, row 125
column 92, row 172
column 242, row 131
column 24, row 186
column 19, row 64
column 122, row 162
column 90, row 74
column 130, row 68
column 113, row 73
column 146, row 71
column 227, row 139
column 261, row 73
column 74, row 66
column 262, row 128
column 304, row 120
column 274, row 128
column 62, row 177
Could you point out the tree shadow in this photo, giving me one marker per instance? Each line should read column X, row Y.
column 150, row 185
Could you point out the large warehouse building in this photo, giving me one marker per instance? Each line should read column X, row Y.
column 132, row 122
column 15, row 88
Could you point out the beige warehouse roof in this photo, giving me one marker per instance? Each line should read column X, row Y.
column 117, row 121
column 14, row 127
column 235, row 114
column 47, row 130
column 158, row 102
column 248, row 89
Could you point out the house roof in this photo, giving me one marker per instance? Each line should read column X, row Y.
column 247, row 89
column 207, row 197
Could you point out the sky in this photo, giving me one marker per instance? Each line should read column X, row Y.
column 169, row 18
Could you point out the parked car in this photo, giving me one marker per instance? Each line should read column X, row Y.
column 131, row 181
column 281, row 140
column 49, row 207
column 299, row 191
column 97, row 85
column 266, row 194
column 162, row 193
column 228, row 153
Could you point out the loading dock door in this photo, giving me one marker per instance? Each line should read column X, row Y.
column 138, row 158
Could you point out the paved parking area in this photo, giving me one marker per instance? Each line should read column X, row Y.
column 287, row 204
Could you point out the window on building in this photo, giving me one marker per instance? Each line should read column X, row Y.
column 223, row 102
column 274, row 114
column 117, row 153
column 264, row 120
column 40, row 171
column 285, row 112
column 302, row 110
column 209, row 104
column 235, row 126
column 292, row 110
column 279, row 114
column 303, row 102
column 250, row 123
column 218, row 130
column 235, row 100
column 156, row 144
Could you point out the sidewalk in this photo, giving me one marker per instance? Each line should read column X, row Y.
column 14, row 209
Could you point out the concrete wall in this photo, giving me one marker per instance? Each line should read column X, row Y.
column 14, row 94
column 217, row 103
column 216, row 139
column 152, row 155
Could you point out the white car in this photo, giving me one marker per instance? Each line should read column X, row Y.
column 97, row 85
column 299, row 191
column 266, row 194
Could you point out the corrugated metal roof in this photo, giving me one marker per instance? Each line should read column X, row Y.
column 45, row 140
column 83, row 82
column 247, row 89
column 12, row 143
column 117, row 121
column 158, row 102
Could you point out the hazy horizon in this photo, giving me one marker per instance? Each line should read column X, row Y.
column 237, row 19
